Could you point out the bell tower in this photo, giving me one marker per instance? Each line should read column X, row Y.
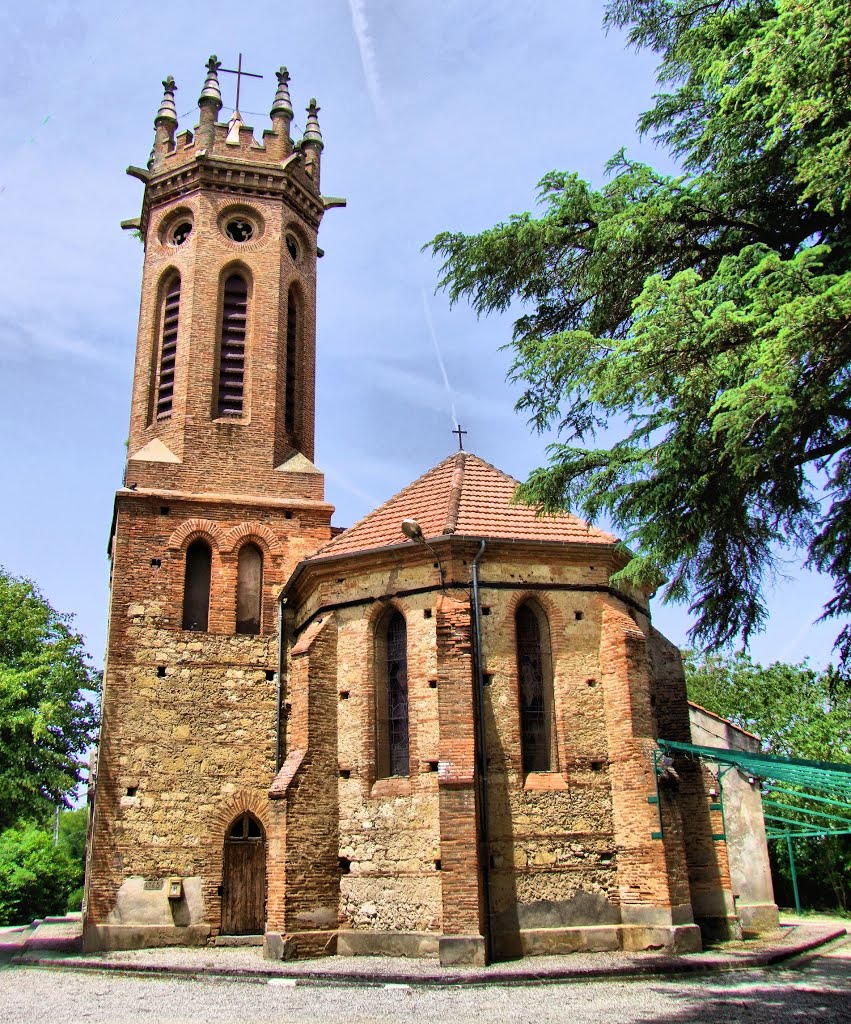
column 220, row 502
column 223, row 394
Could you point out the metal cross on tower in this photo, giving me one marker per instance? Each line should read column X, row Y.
column 240, row 74
column 459, row 432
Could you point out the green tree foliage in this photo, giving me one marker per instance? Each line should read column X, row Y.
column 47, row 711
column 35, row 876
column 73, row 826
column 797, row 712
column 73, row 830
column 704, row 318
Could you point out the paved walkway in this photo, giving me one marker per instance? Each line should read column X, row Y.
column 795, row 938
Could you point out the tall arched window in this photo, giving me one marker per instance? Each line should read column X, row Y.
column 168, row 347
column 535, row 686
column 232, row 347
column 249, row 589
column 196, row 587
column 291, row 363
column 392, row 696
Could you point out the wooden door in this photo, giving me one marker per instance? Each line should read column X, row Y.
column 244, row 879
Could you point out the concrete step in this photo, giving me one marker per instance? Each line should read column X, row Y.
column 13, row 940
column 56, row 934
column 238, row 940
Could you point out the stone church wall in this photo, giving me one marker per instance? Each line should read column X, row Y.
column 389, row 832
column 553, row 852
column 555, row 871
column 189, row 724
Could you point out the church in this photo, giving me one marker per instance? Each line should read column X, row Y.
column 430, row 734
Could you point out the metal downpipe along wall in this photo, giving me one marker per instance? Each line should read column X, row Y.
column 481, row 756
column 279, row 736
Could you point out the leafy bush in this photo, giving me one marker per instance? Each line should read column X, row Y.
column 36, row 877
column 75, row 900
column 48, row 704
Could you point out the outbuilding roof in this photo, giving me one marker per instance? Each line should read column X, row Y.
column 465, row 496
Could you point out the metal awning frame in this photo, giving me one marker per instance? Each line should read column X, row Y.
column 811, row 779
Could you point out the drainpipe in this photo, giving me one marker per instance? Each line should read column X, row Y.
column 481, row 756
column 279, row 732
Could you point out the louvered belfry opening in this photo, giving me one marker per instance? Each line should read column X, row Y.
column 232, row 350
column 291, row 363
column 168, row 348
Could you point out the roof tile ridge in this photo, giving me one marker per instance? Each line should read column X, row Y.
column 380, row 508
column 455, row 490
column 566, row 512
column 490, row 465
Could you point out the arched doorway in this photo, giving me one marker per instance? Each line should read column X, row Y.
column 244, row 878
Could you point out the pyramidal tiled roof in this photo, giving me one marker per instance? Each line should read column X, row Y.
column 465, row 496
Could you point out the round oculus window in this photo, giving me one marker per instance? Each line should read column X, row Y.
column 239, row 230
column 180, row 232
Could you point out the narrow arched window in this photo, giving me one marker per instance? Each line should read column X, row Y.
column 291, row 363
column 232, row 346
column 535, row 686
column 249, row 589
column 168, row 348
column 392, row 696
column 196, row 587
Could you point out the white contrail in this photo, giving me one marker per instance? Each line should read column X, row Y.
column 366, row 46
column 793, row 649
column 439, row 354
column 367, row 57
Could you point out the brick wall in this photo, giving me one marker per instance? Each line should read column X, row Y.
column 652, row 874
column 710, row 888
column 303, row 861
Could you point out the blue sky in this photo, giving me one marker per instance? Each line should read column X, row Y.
column 436, row 115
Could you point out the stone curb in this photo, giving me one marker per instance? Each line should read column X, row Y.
column 505, row 976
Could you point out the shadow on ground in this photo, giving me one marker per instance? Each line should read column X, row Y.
column 819, row 992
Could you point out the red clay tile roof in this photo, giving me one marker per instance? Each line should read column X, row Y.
column 466, row 496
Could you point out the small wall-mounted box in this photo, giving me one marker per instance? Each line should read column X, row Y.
column 175, row 888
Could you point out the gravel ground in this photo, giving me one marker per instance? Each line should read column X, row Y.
column 819, row 991
column 249, row 959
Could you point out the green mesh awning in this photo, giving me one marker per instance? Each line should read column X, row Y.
column 800, row 797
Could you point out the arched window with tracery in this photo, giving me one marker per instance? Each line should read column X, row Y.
column 196, row 587
column 535, row 689
column 232, row 346
column 249, row 589
column 392, row 696
column 291, row 363
column 169, row 322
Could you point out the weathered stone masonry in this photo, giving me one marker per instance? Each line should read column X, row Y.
column 240, row 782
